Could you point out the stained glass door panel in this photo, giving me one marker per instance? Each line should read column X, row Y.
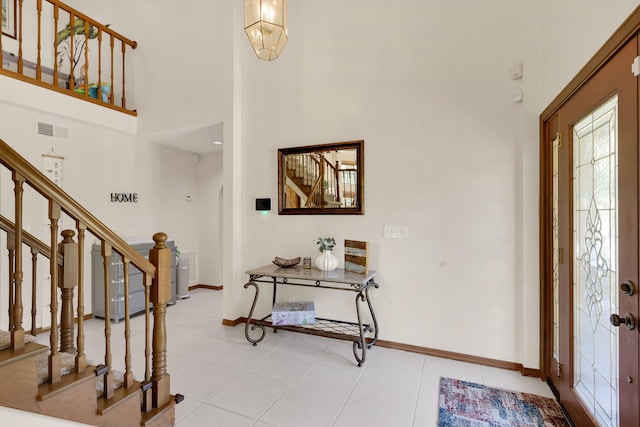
column 595, row 263
column 556, row 251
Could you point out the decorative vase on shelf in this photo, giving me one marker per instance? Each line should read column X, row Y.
column 326, row 261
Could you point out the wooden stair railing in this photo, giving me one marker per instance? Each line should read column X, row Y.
column 347, row 180
column 37, row 248
column 66, row 261
column 59, row 48
column 317, row 179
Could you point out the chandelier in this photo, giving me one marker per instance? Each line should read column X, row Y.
column 265, row 22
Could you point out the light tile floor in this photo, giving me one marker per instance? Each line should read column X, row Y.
column 292, row 379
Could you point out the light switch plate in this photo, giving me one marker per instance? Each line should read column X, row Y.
column 395, row 231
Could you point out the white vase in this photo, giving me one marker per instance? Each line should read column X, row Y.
column 326, row 261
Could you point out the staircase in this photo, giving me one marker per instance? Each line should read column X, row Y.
column 315, row 180
column 56, row 379
column 317, row 183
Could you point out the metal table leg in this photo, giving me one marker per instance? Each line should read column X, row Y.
column 254, row 325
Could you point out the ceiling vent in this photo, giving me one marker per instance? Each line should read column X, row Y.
column 52, row 131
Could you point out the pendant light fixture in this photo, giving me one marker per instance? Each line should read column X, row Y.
column 265, row 22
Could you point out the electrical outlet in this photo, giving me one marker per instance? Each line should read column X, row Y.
column 395, row 231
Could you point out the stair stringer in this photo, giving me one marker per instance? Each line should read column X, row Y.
column 79, row 403
column 75, row 401
column 19, row 378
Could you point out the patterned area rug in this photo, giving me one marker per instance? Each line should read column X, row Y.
column 466, row 404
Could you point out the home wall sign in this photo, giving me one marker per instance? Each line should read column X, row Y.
column 124, row 197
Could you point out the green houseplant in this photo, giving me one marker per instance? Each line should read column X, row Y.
column 325, row 243
column 326, row 261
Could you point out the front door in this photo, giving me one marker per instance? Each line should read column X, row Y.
column 591, row 358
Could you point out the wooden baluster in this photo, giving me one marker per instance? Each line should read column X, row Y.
column 147, row 394
column 1, row 56
column 17, row 333
column 34, row 289
column 160, row 256
column 128, row 374
column 56, row 13
column 39, row 47
column 124, row 97
column 322, row 193
column 112, row 70
column 85, row 67
column 72, row 78
column 54, row 356
column 100, row 64
column 20, row 61
column 81, row 358
column 337, row 178
column 301, row 164
column 69, row 251
column 11, row 248
column 108, row 377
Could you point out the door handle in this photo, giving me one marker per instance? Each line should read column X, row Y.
column 627, row 287
column 627, row 320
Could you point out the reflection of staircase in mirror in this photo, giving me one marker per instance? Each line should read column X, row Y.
column 313, row 182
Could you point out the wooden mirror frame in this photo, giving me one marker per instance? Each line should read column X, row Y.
column 358, row 209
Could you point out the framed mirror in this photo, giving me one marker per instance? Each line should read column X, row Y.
column 321, row 179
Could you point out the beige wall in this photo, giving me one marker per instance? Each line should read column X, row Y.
column 427, row 86
column 448, row 154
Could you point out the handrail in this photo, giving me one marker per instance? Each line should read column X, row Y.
column 104, row 28
column 40, row 183
column 28, row 239
column 59, row 59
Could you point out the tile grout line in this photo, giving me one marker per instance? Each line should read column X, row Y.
column 288, row 386
column 246, row 370
column 415, row 404
column 348, row 397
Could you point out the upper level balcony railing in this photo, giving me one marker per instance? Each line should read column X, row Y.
column 52, row 45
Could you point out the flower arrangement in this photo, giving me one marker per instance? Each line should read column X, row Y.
column 325, row 244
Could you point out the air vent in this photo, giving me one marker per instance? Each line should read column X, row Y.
column 52, row 131
column 45, row 129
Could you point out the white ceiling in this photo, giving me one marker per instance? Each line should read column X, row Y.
column 197, row 139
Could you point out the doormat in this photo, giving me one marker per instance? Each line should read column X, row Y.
column 466, row 404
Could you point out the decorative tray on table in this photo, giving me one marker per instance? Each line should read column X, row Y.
column 286, row 263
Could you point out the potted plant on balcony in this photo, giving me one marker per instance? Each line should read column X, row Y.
column 72, row 43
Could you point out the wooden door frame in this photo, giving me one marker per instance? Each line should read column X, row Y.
column 629, row 28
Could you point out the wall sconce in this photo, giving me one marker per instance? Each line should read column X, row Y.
column 265, row 22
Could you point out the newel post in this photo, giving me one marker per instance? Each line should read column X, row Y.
column 69, row 280
column 160, row 256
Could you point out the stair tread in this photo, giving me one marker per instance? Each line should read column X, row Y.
column 67, row 364
column 46, row 390
column 118, row 382
column 5, row 339
column 31, row 349
column 155, row 413
column 120, row 395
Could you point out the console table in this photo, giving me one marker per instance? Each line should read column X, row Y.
column 339, row 280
